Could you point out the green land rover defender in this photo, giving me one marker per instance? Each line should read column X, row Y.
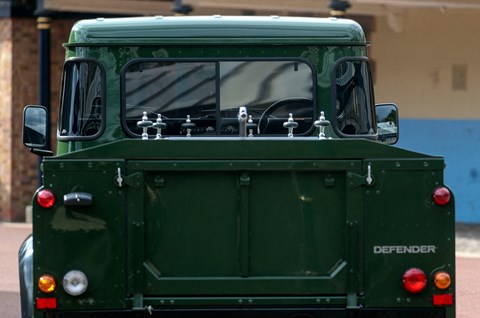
column 231, row 167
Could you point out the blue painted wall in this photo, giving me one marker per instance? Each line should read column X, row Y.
column 459, row 142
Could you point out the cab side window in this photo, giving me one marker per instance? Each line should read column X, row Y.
column 353, row 98
column 82, row 100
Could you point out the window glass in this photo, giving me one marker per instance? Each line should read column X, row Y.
column 173, row 90
column 82, row 100
column 212, row 92
column 354, row 98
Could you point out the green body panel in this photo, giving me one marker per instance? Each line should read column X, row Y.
column 229, row 222
column 320, row 57
column 234, row 233
column 216, row 30
column 237, row 148
column 90, row 239
column 319, row 42
column 206, row 220
column 425, row 227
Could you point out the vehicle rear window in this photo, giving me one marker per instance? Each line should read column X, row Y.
column 210, row 93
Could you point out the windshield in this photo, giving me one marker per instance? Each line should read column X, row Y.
column 210, row 94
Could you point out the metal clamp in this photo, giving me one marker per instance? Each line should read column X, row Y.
column 159, row 125
column 321, row 124
column 242, row 121
column 144, row 124
column 188, row 126
column 251, row 126
column 290, row 124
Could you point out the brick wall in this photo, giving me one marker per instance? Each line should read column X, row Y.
column 5, row 117
column 24, row 71
column 19, row 87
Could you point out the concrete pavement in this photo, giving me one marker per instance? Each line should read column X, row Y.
column 11, row 237
column 467, row 240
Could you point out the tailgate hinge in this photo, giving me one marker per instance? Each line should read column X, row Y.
column 352, row 301
column 138, row 305
column 356, row 180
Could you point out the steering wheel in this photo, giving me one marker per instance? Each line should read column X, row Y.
column 300, row 103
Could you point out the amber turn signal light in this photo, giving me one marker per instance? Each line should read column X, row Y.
column 47, row 284
column 442, row 280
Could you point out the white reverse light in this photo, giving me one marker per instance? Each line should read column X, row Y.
column 75, row 283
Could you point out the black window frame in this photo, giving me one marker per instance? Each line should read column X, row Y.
column 103, row 107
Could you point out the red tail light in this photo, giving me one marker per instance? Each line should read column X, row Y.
column 45, row 198
column 46, row 303
column 414, row 280
column 443, row 300
column 441, row 196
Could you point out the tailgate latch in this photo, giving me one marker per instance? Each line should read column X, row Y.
column 134, row 180
column 356, row 180
column 369, row 175
column 119, row 177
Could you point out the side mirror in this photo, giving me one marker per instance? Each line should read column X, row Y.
column 35, row 129
column 35, row 126
column 387, row 123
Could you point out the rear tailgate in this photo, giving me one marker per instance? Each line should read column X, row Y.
column 220, row 228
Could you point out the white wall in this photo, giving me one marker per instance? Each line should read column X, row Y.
column 415, row 55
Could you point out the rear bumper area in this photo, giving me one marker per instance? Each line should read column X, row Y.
column 258, row 313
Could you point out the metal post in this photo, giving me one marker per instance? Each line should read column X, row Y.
column 43, row 27
column 181, row 9
column 338, row 8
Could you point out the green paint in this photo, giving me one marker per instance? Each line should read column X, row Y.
column 231, row 222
